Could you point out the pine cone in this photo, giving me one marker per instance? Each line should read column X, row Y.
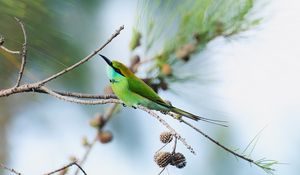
column 178, row 160
column 166, row 137
column 162, row 159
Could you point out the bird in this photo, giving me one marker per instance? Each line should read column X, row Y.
column 133, row 92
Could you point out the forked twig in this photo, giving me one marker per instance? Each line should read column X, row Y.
column 107, row 116
column 85, row 59
column 37, row 85
column 67, row 166
column 23, row 53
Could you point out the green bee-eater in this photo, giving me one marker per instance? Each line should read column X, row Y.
column 134, row 91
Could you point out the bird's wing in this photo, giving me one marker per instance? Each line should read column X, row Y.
column 138, row 86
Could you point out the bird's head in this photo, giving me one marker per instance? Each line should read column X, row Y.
column 117, row 67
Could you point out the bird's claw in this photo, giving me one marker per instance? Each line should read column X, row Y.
column 124, row 105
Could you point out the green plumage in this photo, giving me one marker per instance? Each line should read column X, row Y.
column 133, row 91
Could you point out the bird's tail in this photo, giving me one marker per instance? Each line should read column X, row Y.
column 196, row 118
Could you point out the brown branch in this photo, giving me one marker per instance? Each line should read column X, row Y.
column 37, row 85
column 9, row 169
column 23, row 53
column 65, row 167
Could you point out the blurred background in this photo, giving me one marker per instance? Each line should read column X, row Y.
column 243, row 68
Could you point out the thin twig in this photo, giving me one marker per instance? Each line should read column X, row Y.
column 177, row 135
column 175, row 145
column 117, row 32
column 86, row 154
column 23, row 53
column 65, row 167
column 9, row 169
column 107, row 116
column 162, row 171
column 9, row 51
column 6, row 49
column 212, row 140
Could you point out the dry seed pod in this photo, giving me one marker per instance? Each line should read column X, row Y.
column 97, row 121
column 135, row 59
column 166, row 69
column 85, row 141
column 178, row 160
column 185, row 51
column 162, row 159
column 191, row 48
column 73, row 159
column 182, row 54
column 105, row 136
column 166, row 137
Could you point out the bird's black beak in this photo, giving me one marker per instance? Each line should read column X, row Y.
column 106, row 60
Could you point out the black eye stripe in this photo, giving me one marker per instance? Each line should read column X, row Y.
column 118, row 71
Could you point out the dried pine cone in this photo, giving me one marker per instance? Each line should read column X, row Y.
column 162, row 159
column 178, row 160
column 166, row 137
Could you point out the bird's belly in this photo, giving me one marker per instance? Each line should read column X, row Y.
column 128, row 97
column 132, row 99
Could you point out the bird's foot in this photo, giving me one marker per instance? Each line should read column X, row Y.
column 133, row 107
column 164, row 112
column 178, row 117
column 124, row 105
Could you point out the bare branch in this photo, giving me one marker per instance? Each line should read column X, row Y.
column 9, row 169
column 23, row 53
column 37, row 85
column 65, row 167
column 117, row 32
column 9, row 51
column 79, row 101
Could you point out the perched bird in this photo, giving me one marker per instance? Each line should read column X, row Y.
column 134, row 91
